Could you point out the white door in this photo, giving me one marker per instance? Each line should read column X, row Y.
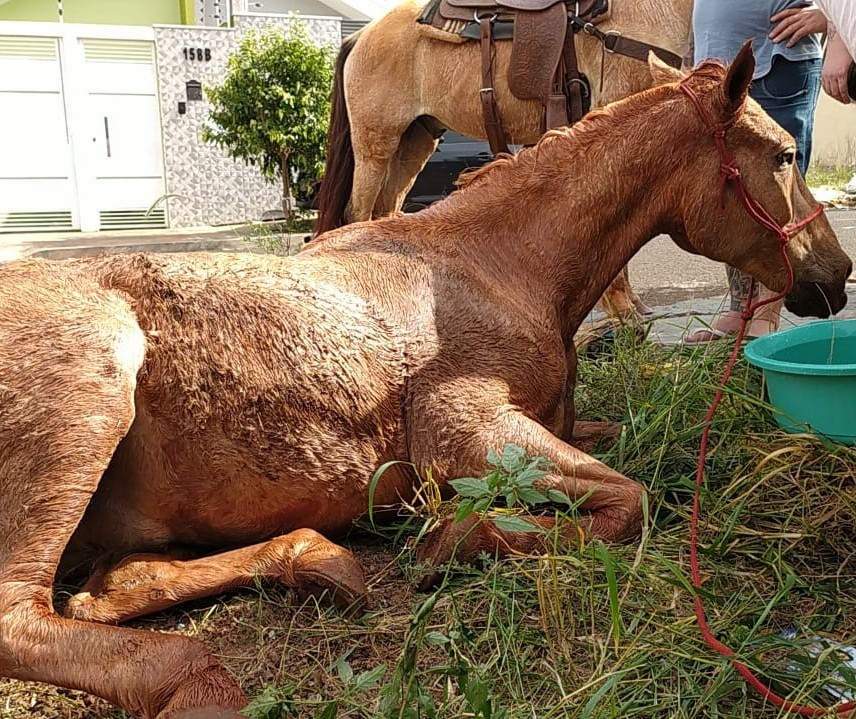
column 125, row 154
column 37, row 189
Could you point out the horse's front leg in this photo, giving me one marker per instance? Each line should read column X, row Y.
column 612, row 502
column 141, row 584
column 582, row 434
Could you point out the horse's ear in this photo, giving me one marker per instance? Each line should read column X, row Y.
column 739, row 77
column 662, row 73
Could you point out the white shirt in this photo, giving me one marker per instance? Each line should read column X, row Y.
column 842, row 14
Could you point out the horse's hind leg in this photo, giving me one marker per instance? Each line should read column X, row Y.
column 416, row 146
column 374, row 149
column 620, row 300
column 144, row 583
column 67, row 379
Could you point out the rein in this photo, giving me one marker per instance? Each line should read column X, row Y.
column 616, row 43
column 730, row 173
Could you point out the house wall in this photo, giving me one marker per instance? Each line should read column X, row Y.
column 324, row 30
column 349, row 9
column 204, row 185
column 33, row 10
column 99, row 12
column 304, row 7
column 213, row 13
column 122, row 12
column 834, row 141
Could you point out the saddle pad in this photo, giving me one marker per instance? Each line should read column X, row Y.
column 588, row 9
column 531, row 5
column 456, row 24
column 437, row 12
column 535, row 52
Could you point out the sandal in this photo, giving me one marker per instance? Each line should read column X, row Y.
column 709, row 334
column 758, row 327
column 765, row 321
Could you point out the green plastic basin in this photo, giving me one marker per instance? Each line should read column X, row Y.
column 810, row 373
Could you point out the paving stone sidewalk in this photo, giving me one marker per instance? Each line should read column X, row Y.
column 673, row 322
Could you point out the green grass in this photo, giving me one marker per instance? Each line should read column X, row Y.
column 276, row 237
column 835, row 176
column 608, row 631
column 598, row 632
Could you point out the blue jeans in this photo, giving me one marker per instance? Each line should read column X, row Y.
column 788, row 93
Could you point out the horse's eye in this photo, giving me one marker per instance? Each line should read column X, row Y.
column 786, row 157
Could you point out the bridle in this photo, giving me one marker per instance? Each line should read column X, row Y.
column 730, row 173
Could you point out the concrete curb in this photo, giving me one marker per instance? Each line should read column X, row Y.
column 59, row 246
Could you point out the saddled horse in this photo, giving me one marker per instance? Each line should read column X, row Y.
column 398, row 87
column 236, row 407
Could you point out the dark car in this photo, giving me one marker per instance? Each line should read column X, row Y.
column 454, row 154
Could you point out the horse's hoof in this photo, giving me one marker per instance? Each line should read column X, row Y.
column 462, row 540
column 339, row 578
column 351, row 600
column 643, row 309
column 428, row 581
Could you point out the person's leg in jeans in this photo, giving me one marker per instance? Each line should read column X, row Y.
column 788, row 93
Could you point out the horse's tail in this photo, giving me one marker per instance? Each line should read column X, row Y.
column 338, row 180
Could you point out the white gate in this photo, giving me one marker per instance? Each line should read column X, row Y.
column 124, row 121
column 80, row 129
column 36, row 176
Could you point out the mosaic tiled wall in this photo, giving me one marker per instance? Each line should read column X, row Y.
column 325, row 30
column 205, row 186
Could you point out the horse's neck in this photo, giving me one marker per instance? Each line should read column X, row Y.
column 564, row 218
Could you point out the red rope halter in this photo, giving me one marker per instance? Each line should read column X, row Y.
column 730, row 172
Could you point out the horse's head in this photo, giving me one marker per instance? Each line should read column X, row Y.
column 715, row 220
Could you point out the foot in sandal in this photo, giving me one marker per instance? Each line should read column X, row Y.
column 765, row 321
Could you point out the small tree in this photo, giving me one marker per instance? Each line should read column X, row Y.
column 273, row 107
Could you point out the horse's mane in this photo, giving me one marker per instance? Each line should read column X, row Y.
column 708, row 73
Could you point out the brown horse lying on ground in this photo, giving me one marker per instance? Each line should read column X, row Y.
column 203, row 402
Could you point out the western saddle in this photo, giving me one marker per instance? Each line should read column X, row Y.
column 543, row 52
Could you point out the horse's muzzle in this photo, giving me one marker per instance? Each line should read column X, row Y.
column 819, row 299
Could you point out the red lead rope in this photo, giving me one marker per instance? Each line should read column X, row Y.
column 731, row 173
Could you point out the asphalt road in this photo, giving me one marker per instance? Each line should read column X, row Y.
column 662, row 274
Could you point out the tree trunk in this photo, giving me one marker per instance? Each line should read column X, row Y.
column 286, row 185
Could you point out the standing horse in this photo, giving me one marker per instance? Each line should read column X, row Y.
column 238, row 406
column 397, row 87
